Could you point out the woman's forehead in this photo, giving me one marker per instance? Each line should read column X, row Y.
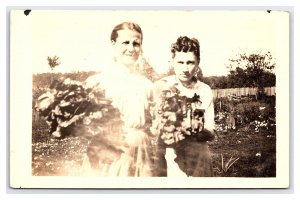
column 180, row 55
column 127, row 33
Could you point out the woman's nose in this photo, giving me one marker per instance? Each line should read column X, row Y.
column 186, row 67
column 130, row 47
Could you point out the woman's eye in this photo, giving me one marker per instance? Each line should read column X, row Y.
column 136, row 44
column 126, row 42
column 190, row 62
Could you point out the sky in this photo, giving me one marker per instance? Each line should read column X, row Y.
column 81, row 39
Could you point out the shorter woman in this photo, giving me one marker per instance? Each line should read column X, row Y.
column 184, row 119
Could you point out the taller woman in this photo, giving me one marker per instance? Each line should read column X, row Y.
column 122, row 147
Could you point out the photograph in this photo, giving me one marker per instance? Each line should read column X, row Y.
column 149, row 98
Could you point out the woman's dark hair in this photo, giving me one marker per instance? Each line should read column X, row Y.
column 125, row 25
column 186, row 44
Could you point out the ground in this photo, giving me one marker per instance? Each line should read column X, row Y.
column 244, row 151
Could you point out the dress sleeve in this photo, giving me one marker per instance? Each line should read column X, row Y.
column 158, row 87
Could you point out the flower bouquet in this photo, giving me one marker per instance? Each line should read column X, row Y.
column 177, row 117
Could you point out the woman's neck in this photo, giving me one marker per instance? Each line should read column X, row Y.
column 190, row 83
column 132, row 68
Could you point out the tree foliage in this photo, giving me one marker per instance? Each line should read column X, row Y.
column 252, row 70
column 214, row 82
column 53, row 62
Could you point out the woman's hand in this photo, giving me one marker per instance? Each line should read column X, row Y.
column 205, row 135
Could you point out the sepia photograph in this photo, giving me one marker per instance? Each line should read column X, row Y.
column 149, row 98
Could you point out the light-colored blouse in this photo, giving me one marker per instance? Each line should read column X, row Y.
column 200, row 88
column 129, row 92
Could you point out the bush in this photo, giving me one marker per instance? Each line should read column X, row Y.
column 223, row 104
column 252, row 111
column 260, row 114
column 248, row 111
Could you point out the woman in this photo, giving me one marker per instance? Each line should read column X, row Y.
column 122, row 147
column 185, row 115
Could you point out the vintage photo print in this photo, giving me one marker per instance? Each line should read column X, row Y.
column 149, row 99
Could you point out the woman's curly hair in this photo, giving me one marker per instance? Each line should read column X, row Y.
column 186, row 44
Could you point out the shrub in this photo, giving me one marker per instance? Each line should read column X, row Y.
column 252, row 111
column 261, row 114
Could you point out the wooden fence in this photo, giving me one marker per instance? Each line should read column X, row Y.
column 240, row 92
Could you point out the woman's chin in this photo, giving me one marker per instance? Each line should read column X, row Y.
column 183, row 79
column 128, row 62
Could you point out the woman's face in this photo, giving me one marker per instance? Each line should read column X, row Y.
column 127, row 46
column 185, row 65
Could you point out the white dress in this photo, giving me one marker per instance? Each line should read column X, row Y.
column 128, row 150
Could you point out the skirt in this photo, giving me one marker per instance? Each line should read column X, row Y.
column 194, row 158
column 134, row 159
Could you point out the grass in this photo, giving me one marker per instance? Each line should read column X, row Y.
column 55, row 157
column 256, row 153
column 223, row 167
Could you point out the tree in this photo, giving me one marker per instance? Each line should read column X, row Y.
column 238, row 78
column 252, row 70
column 53, row 62
column 216, row 82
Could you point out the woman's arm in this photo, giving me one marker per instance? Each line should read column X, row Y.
column 208, row 133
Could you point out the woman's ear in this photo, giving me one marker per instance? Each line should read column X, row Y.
column 113, row 42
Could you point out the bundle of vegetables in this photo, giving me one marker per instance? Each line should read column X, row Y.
column 177, row 117
column 70, row 108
